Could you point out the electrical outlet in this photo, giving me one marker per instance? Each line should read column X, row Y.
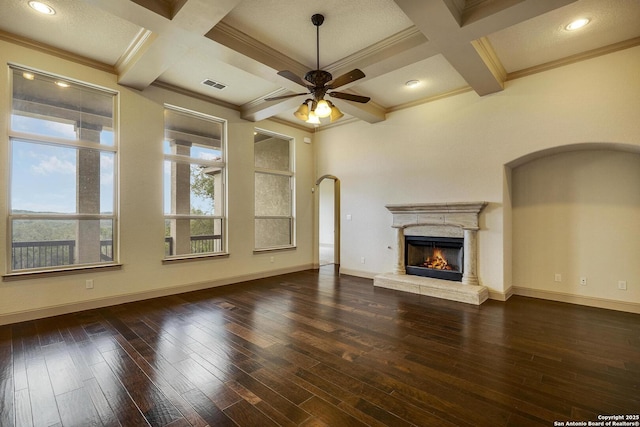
column 271, row 260
column 558, row 277
column 362, row 260
column 622, row 285
column 583, row 281
column 88, row 284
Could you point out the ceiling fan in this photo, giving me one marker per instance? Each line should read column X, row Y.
column 319, row 83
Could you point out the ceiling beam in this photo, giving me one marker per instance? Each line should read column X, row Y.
column 162, row 42
column 261, row 109
column 404, row 48
column 459, row 33
column 238, row 46
column 489, row 17
column 437, row 22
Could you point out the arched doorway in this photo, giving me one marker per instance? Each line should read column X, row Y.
column 328, row 220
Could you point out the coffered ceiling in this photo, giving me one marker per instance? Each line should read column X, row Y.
column 448, row 46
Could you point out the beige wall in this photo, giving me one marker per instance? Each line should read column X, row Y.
column 456, row 149
column 141, row 216
column 577, row 214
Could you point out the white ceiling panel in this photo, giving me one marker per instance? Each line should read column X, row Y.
column 77, row 27
column 349, row 26
column 201, row 64
column 435, row 76
column 543, row 39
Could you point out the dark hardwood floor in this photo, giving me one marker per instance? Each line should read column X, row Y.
column 315, row 349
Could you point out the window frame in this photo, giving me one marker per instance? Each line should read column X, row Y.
column 76, row 144
column 191, row 161
column 290, row 172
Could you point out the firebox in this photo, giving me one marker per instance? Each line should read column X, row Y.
column 437, row 257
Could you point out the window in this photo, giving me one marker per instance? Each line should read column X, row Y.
column 63, row 145
column 274, row 190
column 194, row 183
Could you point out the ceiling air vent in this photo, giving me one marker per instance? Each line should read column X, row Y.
column 214, row 84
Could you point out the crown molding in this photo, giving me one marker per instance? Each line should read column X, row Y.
column 594, row 53
column 143, row 37
column 60, row 53
column 488, row 54
column 430, row 99
column 411, row 36
column 298, row 126
column 239, row 41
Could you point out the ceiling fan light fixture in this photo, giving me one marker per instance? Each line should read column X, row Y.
column 336, row 114
column 323, row 109
column 302, row 112
column 318, row 83
column 313, row 119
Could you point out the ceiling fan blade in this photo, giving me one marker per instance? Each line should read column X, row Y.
column 349, row 77
column 275, row 98
column 293, row 77
column 349, row 97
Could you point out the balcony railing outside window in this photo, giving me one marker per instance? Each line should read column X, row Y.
column 42, row 254
column 199, row 244
column 30, row 255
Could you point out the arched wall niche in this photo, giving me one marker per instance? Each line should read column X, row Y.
column 574, row 212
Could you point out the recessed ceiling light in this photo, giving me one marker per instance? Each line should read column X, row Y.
column 62, row 84
column 28, row 76
column 412, row 83
column 42, row 7
column 577, row 24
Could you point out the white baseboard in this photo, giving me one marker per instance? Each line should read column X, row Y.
column 630, row 307
column 501, row 296
column 22, row 316
column 358, row 273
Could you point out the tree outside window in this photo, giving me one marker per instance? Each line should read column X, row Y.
column 194, row 175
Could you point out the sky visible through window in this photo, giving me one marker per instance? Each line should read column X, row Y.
column 44, row 175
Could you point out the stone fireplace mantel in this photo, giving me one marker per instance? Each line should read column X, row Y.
column 444, row 220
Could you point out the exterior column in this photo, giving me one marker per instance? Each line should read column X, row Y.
column 88, row 196
column 181, row 199
column 400, row 267
column 218, row 198
column 470, row 264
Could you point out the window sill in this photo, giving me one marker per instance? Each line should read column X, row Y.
column 189, row 258
column 276, row 249
column 27, row 275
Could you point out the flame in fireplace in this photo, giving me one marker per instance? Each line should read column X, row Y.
column 437, row 261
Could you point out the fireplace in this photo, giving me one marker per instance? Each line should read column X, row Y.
column 436, row 251
column 437, row 257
